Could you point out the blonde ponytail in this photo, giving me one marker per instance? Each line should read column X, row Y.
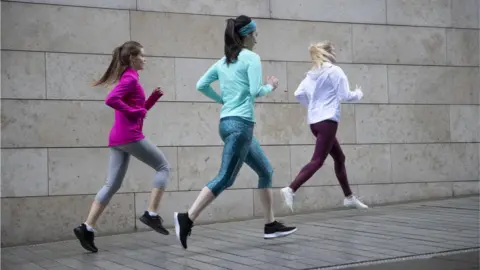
column 321, row 53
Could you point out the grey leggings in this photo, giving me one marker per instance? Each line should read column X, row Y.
column 119, row 158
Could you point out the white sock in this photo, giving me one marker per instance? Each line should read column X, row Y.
column 89, row 228
column 152, row 214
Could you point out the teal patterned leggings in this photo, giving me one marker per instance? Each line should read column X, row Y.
column 240, row 146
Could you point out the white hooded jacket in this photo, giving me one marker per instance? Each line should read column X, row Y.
column 322, row 90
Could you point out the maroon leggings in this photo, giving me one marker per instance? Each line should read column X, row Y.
column 326, row 144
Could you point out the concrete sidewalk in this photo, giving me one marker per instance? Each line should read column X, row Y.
column 328, row 240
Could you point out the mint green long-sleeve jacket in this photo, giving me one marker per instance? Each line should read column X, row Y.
column 240, row 84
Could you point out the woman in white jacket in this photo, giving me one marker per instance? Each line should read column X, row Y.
column 322, row 91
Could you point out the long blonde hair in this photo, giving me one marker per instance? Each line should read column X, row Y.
column 321, row 52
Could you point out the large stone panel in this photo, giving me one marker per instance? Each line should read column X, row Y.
column 159, row 72
column 464, row 13
column 225, row 207
column 465, row 123
column 24, row 172
column 433, row 85
column 346, row 129
column 23, row 75
column 116, row 4
column 402, row 123
column 253, row 8
column 71, row 173
column 284, row 40
column 366, row 164
column 70, row 76
column 272, row 127
column 55, row 123
column 199, row 165
column 54, row 221
column 370, row 11
column 172, row 124
column 202, row 38
column 296, row 72
column 62, row 29
column 466, row 188
column 187, row 74
column 393, row 193
column 279, row 70
column 398, row 45
column 434, row 162
column 419, row 12
column 371, row 78
column 463, row 47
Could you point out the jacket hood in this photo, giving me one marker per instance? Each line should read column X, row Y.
column 315, row 72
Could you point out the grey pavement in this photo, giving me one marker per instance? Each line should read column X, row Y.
column 378, row 238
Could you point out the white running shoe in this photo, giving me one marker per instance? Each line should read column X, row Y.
column 288, row 195
column 354, row 202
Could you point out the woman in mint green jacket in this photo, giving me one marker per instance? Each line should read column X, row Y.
column 240, row 75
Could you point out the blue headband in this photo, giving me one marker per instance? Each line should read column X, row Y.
column 247, row 29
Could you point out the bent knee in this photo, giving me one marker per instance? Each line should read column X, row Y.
column 112, row 189
column 265, row 179
column 106, row 193
column 162, row 177
column 165, row 167
column 219, row 184
column 317, row 163
column 227, row 183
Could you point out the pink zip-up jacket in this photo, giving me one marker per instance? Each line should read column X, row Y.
column 128, row 100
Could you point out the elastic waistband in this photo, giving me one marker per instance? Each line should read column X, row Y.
column 328, row 122
column 237, row 118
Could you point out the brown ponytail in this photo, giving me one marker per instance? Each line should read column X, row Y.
column 233, row 41
column 120, row 61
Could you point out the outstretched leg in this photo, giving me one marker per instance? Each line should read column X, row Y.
column 117, row 168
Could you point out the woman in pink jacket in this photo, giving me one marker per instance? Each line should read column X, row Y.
column 126, row 139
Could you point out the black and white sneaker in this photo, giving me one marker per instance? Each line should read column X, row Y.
column 86, row 238
column 154, row 222
column 183, row 227
column 277, row 229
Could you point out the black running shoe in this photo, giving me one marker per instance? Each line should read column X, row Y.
column 277, row 229
column 183, row 227
column 154, row 222
column 86, row 238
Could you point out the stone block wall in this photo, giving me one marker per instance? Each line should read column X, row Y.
column 415, row 135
